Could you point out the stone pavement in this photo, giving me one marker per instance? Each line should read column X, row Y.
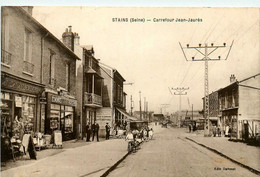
column 44, row 153
column 87, row 159
column 237, row 151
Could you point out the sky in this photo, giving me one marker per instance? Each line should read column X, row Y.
column 149, row 54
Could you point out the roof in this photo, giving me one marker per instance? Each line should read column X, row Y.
column 249, row 78
column 46, row 30
column 114, row 70
column 238, row 82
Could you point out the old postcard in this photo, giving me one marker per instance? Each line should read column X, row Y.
column 130, row 91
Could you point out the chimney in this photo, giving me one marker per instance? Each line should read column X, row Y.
column 68, row 38
column 232, row 78
column 76, row 38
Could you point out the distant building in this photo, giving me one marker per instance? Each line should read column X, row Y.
column 159, row 117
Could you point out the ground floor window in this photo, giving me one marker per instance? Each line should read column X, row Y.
column 61, row 118
column 18, row 114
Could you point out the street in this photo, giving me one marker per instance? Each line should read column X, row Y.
column 170, row 154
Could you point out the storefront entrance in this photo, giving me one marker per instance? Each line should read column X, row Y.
column 61, row 116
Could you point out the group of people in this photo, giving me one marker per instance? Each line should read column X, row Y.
column 145, row 134
column 94, row 129
column 216, row 130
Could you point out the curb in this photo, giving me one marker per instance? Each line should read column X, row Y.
column 225, row 156
column 115, row 165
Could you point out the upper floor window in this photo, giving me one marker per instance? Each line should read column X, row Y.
column 28, row 67
column 27, row 45
column 68, row 77
column 6, row 55
column 52, row 68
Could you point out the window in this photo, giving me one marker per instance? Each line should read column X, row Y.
column 6, row 56
column 5, row 32
column 27, row 45
column 52, row 68
column 67, row 77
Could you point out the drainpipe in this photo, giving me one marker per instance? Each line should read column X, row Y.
column 42, row 47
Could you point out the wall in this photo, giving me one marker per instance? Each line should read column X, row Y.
column 249, row 103
column 104, row 115
column 17, row 24
column 61, row 59
column 107, row 87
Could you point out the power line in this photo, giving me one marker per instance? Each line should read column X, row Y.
column 180, row 92
column 206, row 58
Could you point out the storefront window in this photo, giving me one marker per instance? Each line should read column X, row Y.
column 6, row 114
column 28, row 111
column 54, row 116
column 68, row 119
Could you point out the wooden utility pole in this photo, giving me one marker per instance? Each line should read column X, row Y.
column 140, row 104
column 131, row 106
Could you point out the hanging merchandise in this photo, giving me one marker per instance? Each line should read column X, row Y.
column 18, row 101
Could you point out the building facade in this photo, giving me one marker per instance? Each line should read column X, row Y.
column 239, row 107
column 37, row 74
column 214, row 113
column 113, row 99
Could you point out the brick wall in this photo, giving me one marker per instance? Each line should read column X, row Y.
column 17, row 25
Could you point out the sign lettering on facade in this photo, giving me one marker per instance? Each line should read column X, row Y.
column 64, row 101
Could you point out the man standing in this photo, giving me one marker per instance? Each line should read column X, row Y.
column 107, row 131
column 95, row 129
column 88, row 131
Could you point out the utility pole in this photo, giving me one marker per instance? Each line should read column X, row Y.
column 140, row 104
column 206, row 58
column 192, row 112
column 144, row 108
column 131, row 106
column 180, row 92
column 148, row 116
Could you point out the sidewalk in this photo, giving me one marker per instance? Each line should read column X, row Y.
column 25, row 160
column 242, row 153
column 76, row 158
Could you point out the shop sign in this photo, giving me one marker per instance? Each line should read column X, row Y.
column 21, row 86
column 18, row 101
column 63, row 101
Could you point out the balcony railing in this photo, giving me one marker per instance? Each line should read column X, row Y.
column 28, row 67
column 92, row 99
column 6, row 58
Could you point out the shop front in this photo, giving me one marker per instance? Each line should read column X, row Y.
column 60, row 115
column 19, row 103
column 230, row 122
column 19, row 108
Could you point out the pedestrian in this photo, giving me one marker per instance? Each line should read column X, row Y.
column 214, row 130
column 227, row 130
column 107, row 131
column 88, row 131
column 189, row 128
column 219, row 131
column 95, row 129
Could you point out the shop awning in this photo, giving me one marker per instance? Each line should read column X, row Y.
column 128, row 116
